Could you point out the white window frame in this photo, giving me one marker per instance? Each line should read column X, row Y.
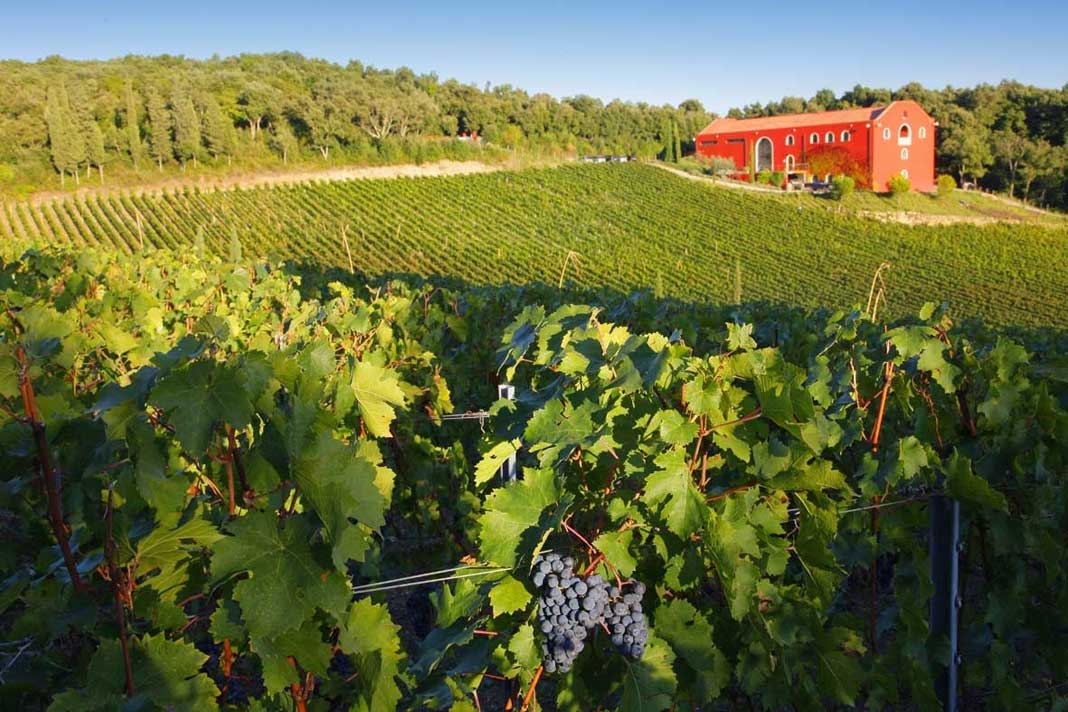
column 789, row 139
column 905, row 140
column 814, row 138
column 788, row 164
column 846, row 136
column 904, row 153
column 905, row 173
column 922, row 132
column 828, row 137
column 886, row 133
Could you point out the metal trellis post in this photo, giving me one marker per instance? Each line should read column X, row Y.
column 945, row 548
column 508, row 469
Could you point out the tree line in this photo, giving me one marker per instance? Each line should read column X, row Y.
column 1008, row 137
column 75, row 116
column 72, row 117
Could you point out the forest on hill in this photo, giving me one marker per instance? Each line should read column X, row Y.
column 60, row 118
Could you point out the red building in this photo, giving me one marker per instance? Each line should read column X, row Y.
column 871, row 144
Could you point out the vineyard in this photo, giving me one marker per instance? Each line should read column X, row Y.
column 621, row 227
column 233, row 483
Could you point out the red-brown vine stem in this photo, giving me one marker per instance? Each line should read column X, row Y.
column 117, row 580
column 48, row 472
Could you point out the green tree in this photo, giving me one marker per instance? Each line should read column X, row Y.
column 218, row 130
column 159, row 124
column 132, row 124
column 282, row 141
column 258, row 103
column 1010, row 149
column 966, row 145
column 676, row 146
column 186, row 127
column 1039, row 161
column 95, row 151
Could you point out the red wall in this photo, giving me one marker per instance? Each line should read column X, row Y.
column 886, row 152
column 856, row 146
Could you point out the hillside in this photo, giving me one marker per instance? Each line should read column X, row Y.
column 620, row 226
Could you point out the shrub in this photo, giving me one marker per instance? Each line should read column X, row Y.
column 899, row 184
column 777, row 178
column 946, row 185
column 764, row 177
column 720, row 165
column 842, row 187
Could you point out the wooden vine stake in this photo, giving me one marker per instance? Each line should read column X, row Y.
column 345, row 239
column 48, row 471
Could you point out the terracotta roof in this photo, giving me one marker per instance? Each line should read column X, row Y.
column 794, row 121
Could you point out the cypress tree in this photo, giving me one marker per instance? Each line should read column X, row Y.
column 159, row 125
column 186, row 127
column 73, row 130
column 65, row 142
column 133, row 124
column 677, row 144
column 218, row 129
column 56, row 137
column 95, row 149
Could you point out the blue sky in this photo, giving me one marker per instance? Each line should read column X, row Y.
column 725, row 54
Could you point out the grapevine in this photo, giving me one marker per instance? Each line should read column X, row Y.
column 264, row 508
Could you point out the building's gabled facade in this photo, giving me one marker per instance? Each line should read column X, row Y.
column 871, row 144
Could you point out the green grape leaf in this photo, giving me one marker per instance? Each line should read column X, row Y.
column 226, row 622
column 740, row 337
column 690, row 636
column 198, row 397
column 518, row 517
column 615, row 545
column 524, row 648
column 670, row 491
column 675, row 429
column 377, row 390
column 286, row 584
column 166, row 673
column 508, row 596
column 649, row 684
column 964, row 485
column 340, row 484
column 305, row 645
column 168, row 549
column 370, row 636
column 491, row 462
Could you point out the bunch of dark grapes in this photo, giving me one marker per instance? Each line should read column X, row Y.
column 568, row 609
column 625, row 620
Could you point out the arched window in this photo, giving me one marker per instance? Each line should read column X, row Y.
column 922, row 132
column 846, row 136
column 790, row 140
column 904, row 172
column 764, row 155
column 904, row 135
column 886, row 134
column 829, row 137
column 788, row 164
column 814, row 138
column 904, row 154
